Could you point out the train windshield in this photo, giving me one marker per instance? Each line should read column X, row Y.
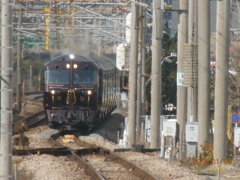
column 85, row 77
column 55, row 76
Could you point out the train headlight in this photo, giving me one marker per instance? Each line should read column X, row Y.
column 75, row 66
column 89, row 92
column 54, row 92
column 68, row 66
column 71, row 56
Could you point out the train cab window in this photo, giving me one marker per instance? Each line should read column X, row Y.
column 55, row 76
column 85, row 77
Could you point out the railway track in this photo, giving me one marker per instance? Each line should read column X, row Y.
column 82, row 160
column 29, row 122
column 97, row 162
column 108, row 164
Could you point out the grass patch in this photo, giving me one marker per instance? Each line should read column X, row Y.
column 205, row 169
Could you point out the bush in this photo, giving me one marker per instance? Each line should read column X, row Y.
column 207, row 151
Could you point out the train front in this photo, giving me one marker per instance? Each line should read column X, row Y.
column 70, row 92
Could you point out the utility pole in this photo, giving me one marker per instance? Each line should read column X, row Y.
column 192, row 38
column 203, row 72
column 133, row 76
column 221, row 88
column 6, row 91
column 182, row 91
column 143, row 58
column 139, row 74
column 19, row 64
column 156, row 90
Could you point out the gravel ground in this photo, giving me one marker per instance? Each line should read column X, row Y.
column 47, row 167
column 110, row 169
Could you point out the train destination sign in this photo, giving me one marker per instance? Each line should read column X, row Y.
column 234, row 117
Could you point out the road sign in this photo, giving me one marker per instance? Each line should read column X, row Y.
column 179, row 78
column 234, row 117
column 236, row 137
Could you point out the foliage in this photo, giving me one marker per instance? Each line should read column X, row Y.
column 33, row 59
column 169, row 89
column 207, row 151
column 230, row 149
column 234, row 83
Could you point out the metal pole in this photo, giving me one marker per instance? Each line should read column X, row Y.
column 19, row 64
column 39, row 82
column 156, row 91
column 221, row 88
column 182, row 91
column 218, row 173
column 23, row 93
column 30, row 79
column 203, row 72
column 15, row 171
column 234, row 148
column 6, row 91
column 100, row 47
column 139, row 75
column 133, row 77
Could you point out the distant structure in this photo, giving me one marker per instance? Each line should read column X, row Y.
column 172, row 17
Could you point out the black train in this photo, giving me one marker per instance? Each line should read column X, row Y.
column 79, row 92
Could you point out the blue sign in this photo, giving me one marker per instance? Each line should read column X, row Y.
column 234, row 117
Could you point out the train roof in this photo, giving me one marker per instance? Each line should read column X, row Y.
column 66, row 57
column 104, row 63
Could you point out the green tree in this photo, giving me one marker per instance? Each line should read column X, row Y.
column 169, row 88
column 37, row 64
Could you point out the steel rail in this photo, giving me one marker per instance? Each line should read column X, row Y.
column 29, row 120
column 132, row 166
column 90, row 149
column 122, row 161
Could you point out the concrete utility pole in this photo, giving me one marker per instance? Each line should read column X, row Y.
column 6, row 92
column 19, row 64
column 192, row 38
column 221, row 88
column 156, row 91
column 182, row 91
column 203, row 72
column 133, row 76
column 143, row 56
column 139, row 75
